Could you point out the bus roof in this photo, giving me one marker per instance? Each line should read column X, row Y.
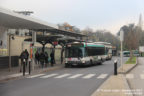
column 93, row 45
column 84, row 44
column 105, row 43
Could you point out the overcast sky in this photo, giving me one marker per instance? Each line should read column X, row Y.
column 96, row 14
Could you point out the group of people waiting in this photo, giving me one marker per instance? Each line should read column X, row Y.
column 43, row 58
column 40, row 58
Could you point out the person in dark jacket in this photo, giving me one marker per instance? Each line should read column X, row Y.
column 37, row 57
column 46, row 59
column 27, row 56
column 42, row 59
column 52, row 58
column 23, row 56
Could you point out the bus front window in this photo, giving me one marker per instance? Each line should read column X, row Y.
column 74, row 52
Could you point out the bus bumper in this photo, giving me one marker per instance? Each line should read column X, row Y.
column 75, row 64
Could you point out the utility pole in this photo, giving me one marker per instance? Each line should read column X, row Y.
column 121, row 40
column 9, row 52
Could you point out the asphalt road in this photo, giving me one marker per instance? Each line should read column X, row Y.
column 63, row 82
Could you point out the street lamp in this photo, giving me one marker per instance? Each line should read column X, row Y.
column 121, row 40
column 11, row 36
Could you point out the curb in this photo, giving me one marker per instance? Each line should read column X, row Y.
column 130, row 68
column 21, row 77
column 11, row 78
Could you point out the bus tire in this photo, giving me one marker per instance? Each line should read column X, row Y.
column 101, row 61
column 91, row 62
column 66, row 65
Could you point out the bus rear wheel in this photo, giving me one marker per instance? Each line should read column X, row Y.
column 67, row 65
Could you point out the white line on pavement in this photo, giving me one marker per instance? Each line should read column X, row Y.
column 89, row 76
column 17, row 74
column 75, row 76
column 129, row 76
column 142, row 76
column 61, row 76
column 47, row 76
column 35, row 75
column 102, row 76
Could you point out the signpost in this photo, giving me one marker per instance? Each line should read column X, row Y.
column 121, row 40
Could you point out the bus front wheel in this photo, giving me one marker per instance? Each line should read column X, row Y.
column 91, row 62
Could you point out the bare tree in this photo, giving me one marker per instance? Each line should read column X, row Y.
column 131, row 37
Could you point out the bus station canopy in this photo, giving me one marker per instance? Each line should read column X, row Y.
column 58, row 31
column 12, row 20
column 62, row 40
column 45, row 39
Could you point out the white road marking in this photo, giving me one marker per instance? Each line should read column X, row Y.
column 142, row 76
column 129, row 76
column 61, row 76
column 17, row 74
column 89, row 76
column 75, row 76
column 47, row 76
column 35, row 75
column 102, row 76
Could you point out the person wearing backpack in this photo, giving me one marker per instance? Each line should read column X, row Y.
column 23, row 56
column 42, row 59
column 26, row 57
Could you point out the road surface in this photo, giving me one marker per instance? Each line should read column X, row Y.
column 63, row 82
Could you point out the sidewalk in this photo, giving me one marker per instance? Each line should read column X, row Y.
column 135, row 78
column 114, row 86
column 15, row 73
column 117, row 85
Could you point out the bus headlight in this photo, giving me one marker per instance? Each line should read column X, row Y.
column 83, row 61
column 66, row 61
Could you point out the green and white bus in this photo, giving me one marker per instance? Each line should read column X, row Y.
column 82, row 53
column 108, row 49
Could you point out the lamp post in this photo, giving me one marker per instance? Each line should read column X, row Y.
column 121, row 40
column 10, row 36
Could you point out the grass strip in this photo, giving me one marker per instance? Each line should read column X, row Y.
column 133, row 61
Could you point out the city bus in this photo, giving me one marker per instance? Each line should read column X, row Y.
column 82, row 53
column 108, row 49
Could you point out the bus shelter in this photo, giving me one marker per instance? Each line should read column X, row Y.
column 54, row 40
column 11, row 20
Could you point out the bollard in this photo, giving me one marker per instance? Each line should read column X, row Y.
column 115, row 67
column 24, row 67
column 29, row 66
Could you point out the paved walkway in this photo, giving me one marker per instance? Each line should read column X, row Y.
column 5, row 74
column 136, row 78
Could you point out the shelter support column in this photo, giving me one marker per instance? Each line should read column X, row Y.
column 9, row 52
column 33, row 41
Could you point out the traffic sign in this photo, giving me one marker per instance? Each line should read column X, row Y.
column 121, row 35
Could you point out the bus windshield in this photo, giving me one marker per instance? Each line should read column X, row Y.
column 74, row 52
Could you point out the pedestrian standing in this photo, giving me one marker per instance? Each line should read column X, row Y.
column 23, row 56
column 52, row 58
column 46, row 59
column 27, row 56
column 62, row 55
column 37, row 57
column 42, row 59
